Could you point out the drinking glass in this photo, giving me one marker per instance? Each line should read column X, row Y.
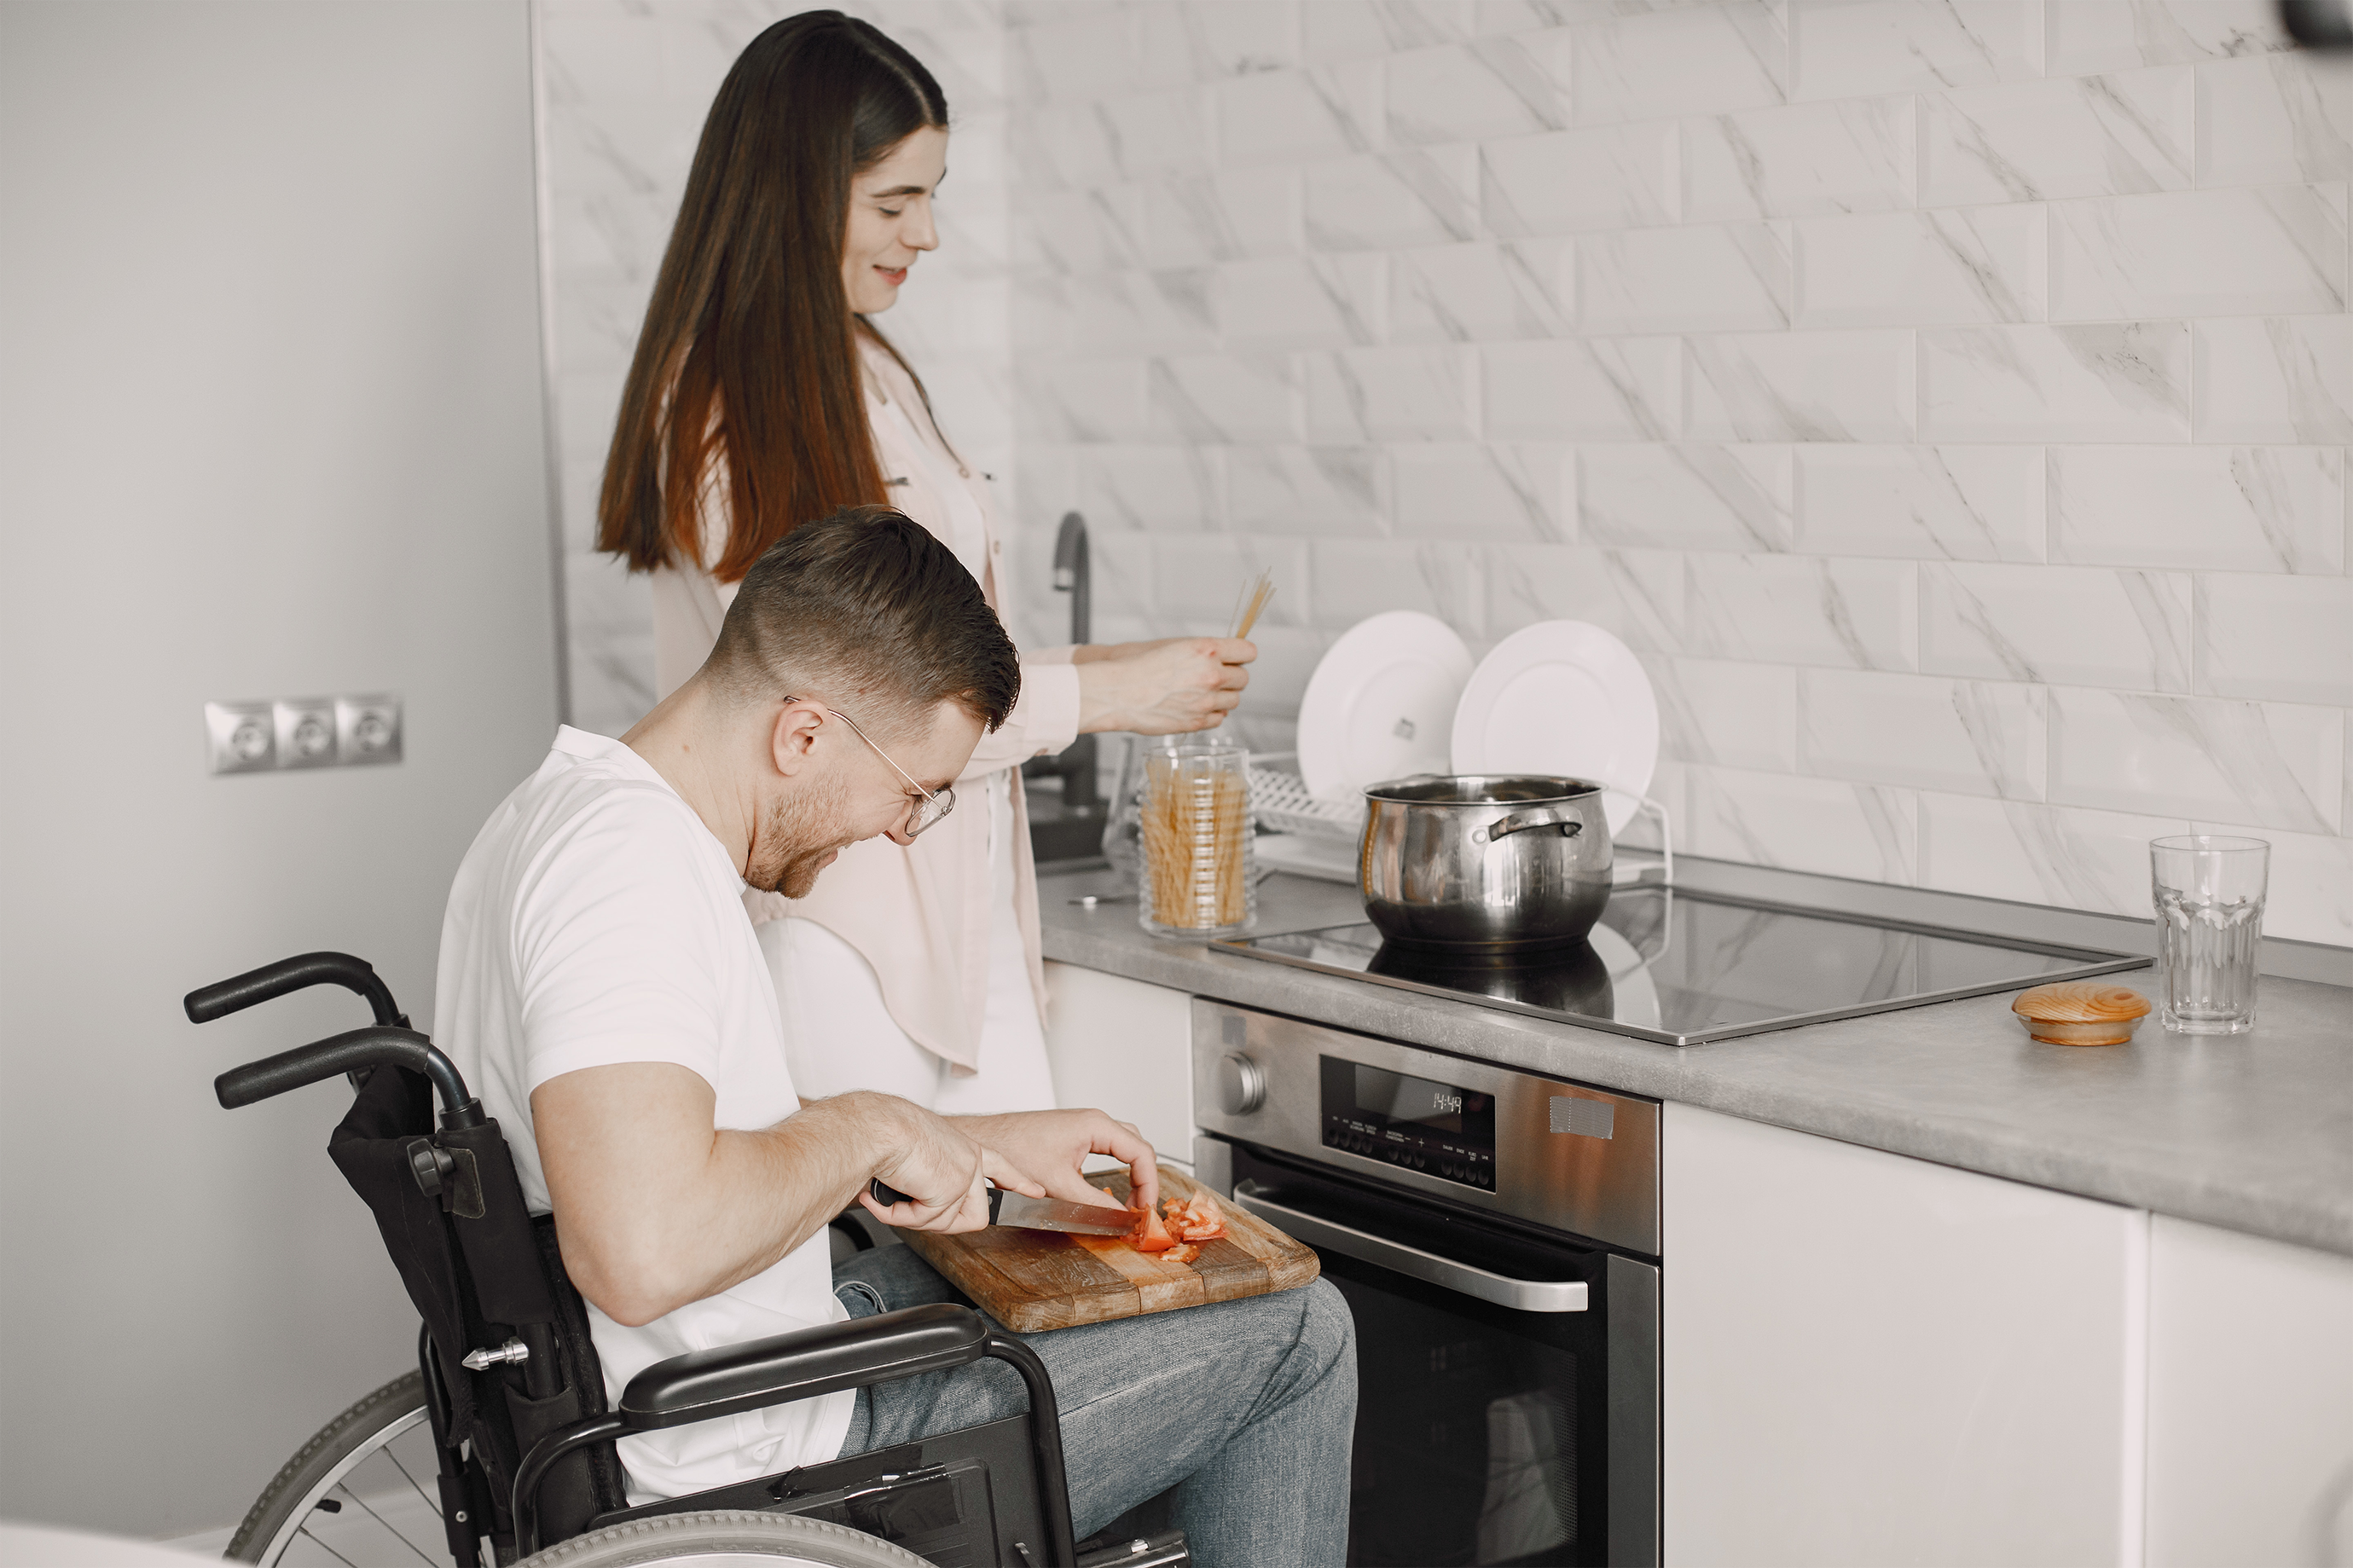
column 2209, row 924
column 1197, row 831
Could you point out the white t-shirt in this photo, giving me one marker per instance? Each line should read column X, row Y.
column 595, row 920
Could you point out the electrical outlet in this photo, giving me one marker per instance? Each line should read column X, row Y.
column 243, row 737
column 367, row 729
column 303, row 732
column 306, row 731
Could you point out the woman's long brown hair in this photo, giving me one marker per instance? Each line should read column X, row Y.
column 749, row 355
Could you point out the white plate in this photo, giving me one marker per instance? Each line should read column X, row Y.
column 1562, row 697
column 1380, row 703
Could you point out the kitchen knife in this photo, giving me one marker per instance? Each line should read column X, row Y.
column 1032, row 1214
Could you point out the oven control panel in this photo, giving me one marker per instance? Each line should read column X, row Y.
column 1412, row 1123
column 1563, row 1156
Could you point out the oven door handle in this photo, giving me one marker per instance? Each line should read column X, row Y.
column 1522, row 1295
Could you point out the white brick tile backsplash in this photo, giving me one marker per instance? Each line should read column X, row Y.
column 1492, row 87
column 1824, row 825
column 1341, row 491
column 1286, row 117
column 2039, row 854
column 1153, row 487
column 1211, row 39
column 2242, row 508
column 1969, row 737
column 2288, row 378
column 2266, row 119
column 1691, row 496
column 1959, row 503
column 1643, row 66
column 2032, row 142
column 1929, row 268
column 1483, row 292
column 1188, row 220
column 2085, row 36
column 1600, row 389
column 1805, row 386
column 2270, row 764
column 1083, row 400
column 1948, row 399
column 1391, row 394
column 2078, row 624
column 1229, row 397
column 1367, row 29
column 1564, row 182
column 1720, row 277
column 1466, row 491
column 1726, row 714
column 2285, row 638
column 1350, row 581
column 1638, row 595
column 1386, row 201
column 1304, row 301
column 1854, row 615
column 1851, row 49
column 2121, row 382
column 1197, row 579
column 2212, row 253
column 1807, row 159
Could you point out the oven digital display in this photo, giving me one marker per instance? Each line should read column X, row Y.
column 1415, row 1123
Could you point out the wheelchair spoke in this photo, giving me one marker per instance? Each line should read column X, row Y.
column 372, row 1513
column 305, row 1532
column 428, row 1501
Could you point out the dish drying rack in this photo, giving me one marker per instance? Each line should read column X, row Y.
column 1327, row 833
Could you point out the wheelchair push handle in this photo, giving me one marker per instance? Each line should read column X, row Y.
column 254, row 986
column 349, row 1052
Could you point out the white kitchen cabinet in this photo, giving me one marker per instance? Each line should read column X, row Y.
column 2249, row 1402
column 1874, row 1360
column 1126, row 1047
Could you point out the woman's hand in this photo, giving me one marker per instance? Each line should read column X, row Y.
column 1163, row 688
column 1051, row 1148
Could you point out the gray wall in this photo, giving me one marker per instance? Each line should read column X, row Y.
column 270, row 423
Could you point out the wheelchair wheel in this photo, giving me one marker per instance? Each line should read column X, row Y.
column 362, row 1492
column 722, row 1541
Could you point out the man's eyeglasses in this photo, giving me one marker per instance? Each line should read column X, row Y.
column 922, row 814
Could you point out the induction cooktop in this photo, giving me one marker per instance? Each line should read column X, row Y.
column 1685, row 969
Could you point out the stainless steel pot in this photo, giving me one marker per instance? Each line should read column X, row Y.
column 1498, row 861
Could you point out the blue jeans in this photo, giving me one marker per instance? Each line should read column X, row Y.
column 1246, row 1407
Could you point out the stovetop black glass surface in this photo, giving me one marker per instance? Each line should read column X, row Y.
column 1687, row 968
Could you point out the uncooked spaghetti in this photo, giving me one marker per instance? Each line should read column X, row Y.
column 1196, row 830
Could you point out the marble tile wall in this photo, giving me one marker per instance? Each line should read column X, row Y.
column 1947, row 399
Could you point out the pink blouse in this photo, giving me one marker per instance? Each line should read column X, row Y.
column 918, row 915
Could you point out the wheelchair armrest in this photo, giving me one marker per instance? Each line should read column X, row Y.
column 730, row 1379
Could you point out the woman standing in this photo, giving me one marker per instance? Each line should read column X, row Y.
column 761, row 397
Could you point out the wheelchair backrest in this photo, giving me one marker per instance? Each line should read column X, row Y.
column 485, row 1277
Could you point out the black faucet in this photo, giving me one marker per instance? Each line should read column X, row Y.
column 1076, row 831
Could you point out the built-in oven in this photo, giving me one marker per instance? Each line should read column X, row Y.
column 1496, row 1236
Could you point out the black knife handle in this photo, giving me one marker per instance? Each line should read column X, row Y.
column 887, row 1194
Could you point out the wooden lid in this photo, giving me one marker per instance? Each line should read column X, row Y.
column 2081, row 1012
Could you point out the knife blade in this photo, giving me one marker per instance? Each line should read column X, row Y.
column 1027, row 1213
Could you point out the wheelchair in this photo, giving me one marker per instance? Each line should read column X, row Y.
column 498, row 1448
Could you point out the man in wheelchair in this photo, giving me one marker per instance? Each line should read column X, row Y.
column 601, row 985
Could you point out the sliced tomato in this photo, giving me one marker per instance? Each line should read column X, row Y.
column 1150, row 1234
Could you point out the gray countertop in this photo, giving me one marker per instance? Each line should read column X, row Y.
column 2252, row 1132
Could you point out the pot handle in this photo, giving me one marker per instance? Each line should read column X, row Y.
column 1522, row 821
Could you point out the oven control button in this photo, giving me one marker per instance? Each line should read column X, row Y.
column 1242, row 1086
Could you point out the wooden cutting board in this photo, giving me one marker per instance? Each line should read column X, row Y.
column 1032, row 1281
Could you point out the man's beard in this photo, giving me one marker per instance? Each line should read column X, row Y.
column 803, row 832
